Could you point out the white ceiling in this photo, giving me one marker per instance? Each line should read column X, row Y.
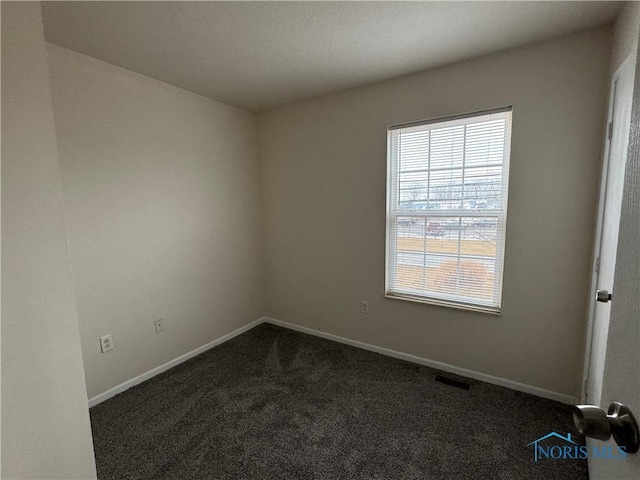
column 260, row 55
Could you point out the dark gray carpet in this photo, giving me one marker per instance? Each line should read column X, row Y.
column 277, row 404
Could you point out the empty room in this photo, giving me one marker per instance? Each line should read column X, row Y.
column 320, row 240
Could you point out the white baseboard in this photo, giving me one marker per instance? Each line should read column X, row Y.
column 502, row 382
column 172, row 363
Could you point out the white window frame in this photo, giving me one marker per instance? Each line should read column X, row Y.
column 391, row 216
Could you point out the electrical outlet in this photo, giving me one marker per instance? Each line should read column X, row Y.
column 106, row 343
column 364, row 307
column 159, row 324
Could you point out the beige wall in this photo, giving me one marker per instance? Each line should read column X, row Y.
column 323, row 167
column 45, row 419
column 625, row 34
column 162, row 199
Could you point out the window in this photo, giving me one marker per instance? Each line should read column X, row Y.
column 446, row 209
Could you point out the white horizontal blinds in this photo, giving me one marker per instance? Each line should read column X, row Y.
column 447, row 207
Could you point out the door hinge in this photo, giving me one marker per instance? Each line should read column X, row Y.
column 610, row 131
column 598, row 265
column 586, row 391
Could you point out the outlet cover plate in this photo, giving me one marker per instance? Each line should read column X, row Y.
column 106, row 343
column 159, row 324
column 364, row 307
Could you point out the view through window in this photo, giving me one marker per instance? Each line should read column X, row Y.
column 446, row 209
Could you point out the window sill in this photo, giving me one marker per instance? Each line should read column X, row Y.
column 444, row 303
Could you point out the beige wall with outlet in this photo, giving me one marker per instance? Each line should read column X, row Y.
column 323, row 173
column 45, row 418
column 162, row 198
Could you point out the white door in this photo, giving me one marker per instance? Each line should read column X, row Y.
column 608, row 225
column 621, row 379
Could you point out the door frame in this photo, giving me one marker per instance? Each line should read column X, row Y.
column 595, row 267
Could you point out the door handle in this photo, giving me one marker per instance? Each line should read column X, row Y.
column 618, row 422
column 603, row 296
